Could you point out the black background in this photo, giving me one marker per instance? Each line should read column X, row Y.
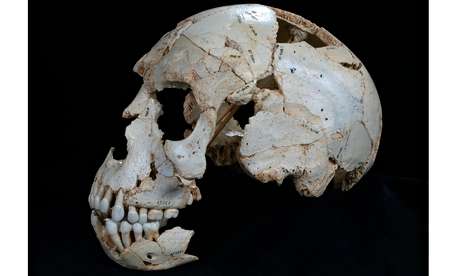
column 81, row 79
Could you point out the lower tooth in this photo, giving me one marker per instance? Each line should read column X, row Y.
column 142, row 215
column 93, row 218
column 151, row 230
column 125, row 229
column 133, row 216
column 137, row 229
column 111, row 228
column 171, row 213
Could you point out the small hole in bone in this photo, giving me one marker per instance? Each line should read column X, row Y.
column 172, row 122
column 243, row 114
column 288, row 33
column 268, row 82
column 153, row 171
column 120, row 152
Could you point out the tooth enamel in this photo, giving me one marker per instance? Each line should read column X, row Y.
column 137, row 229
column 93, row 218
column 155, row 214
column 151, row 230
column 97, row 198
column 118, row 211
column 111, row 228
column 142, row 215
column 91, row 200
column 133, row 216
column 125, row 229
column 104, row 206
column 171, row 213
column 190, row 199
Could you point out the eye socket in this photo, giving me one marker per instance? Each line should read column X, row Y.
column 172, row 122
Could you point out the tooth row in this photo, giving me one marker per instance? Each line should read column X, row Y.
column 148, row 231
column 142, row 222
column 144, row 215
column 103, row 198
column 146, row 227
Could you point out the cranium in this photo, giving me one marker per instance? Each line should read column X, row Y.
column 317, row 118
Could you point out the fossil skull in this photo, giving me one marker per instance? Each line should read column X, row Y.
column 317, row 118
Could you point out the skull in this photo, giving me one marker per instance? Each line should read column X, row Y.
column 317, row 118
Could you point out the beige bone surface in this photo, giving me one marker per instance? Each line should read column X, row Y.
column 317, row 117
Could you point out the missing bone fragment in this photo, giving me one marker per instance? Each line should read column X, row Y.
column 120, row 152
column 268, row 82
column 172, row 121
column 315, row 41
column 243, row 114
column 119, row 141
column 288, row 33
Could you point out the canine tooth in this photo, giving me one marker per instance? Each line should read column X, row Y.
column 190, row 199
column 125, row 229
column 133, row 216
column 111, row 228
column 142, row 215
column 137, row 229
column 171, row 213
column 155, row 214
column 104, row 206
column 151, row 230
column 97, row 198
column 118, row 212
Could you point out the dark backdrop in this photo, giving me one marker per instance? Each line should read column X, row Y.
column 81, row 79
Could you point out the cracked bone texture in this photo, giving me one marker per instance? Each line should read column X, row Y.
column 317, row 118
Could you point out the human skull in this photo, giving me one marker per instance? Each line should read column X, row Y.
column 317, row 118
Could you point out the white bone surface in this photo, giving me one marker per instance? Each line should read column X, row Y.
column 317, row 118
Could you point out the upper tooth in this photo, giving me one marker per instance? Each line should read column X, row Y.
column 111, row 228
column 155, row 214
column 142, row 215
column 118, row 211
column 137, row 229
column 97, row 198
column 171, row 213
column 133, row 216
column 105, row 203
column 125, row 229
